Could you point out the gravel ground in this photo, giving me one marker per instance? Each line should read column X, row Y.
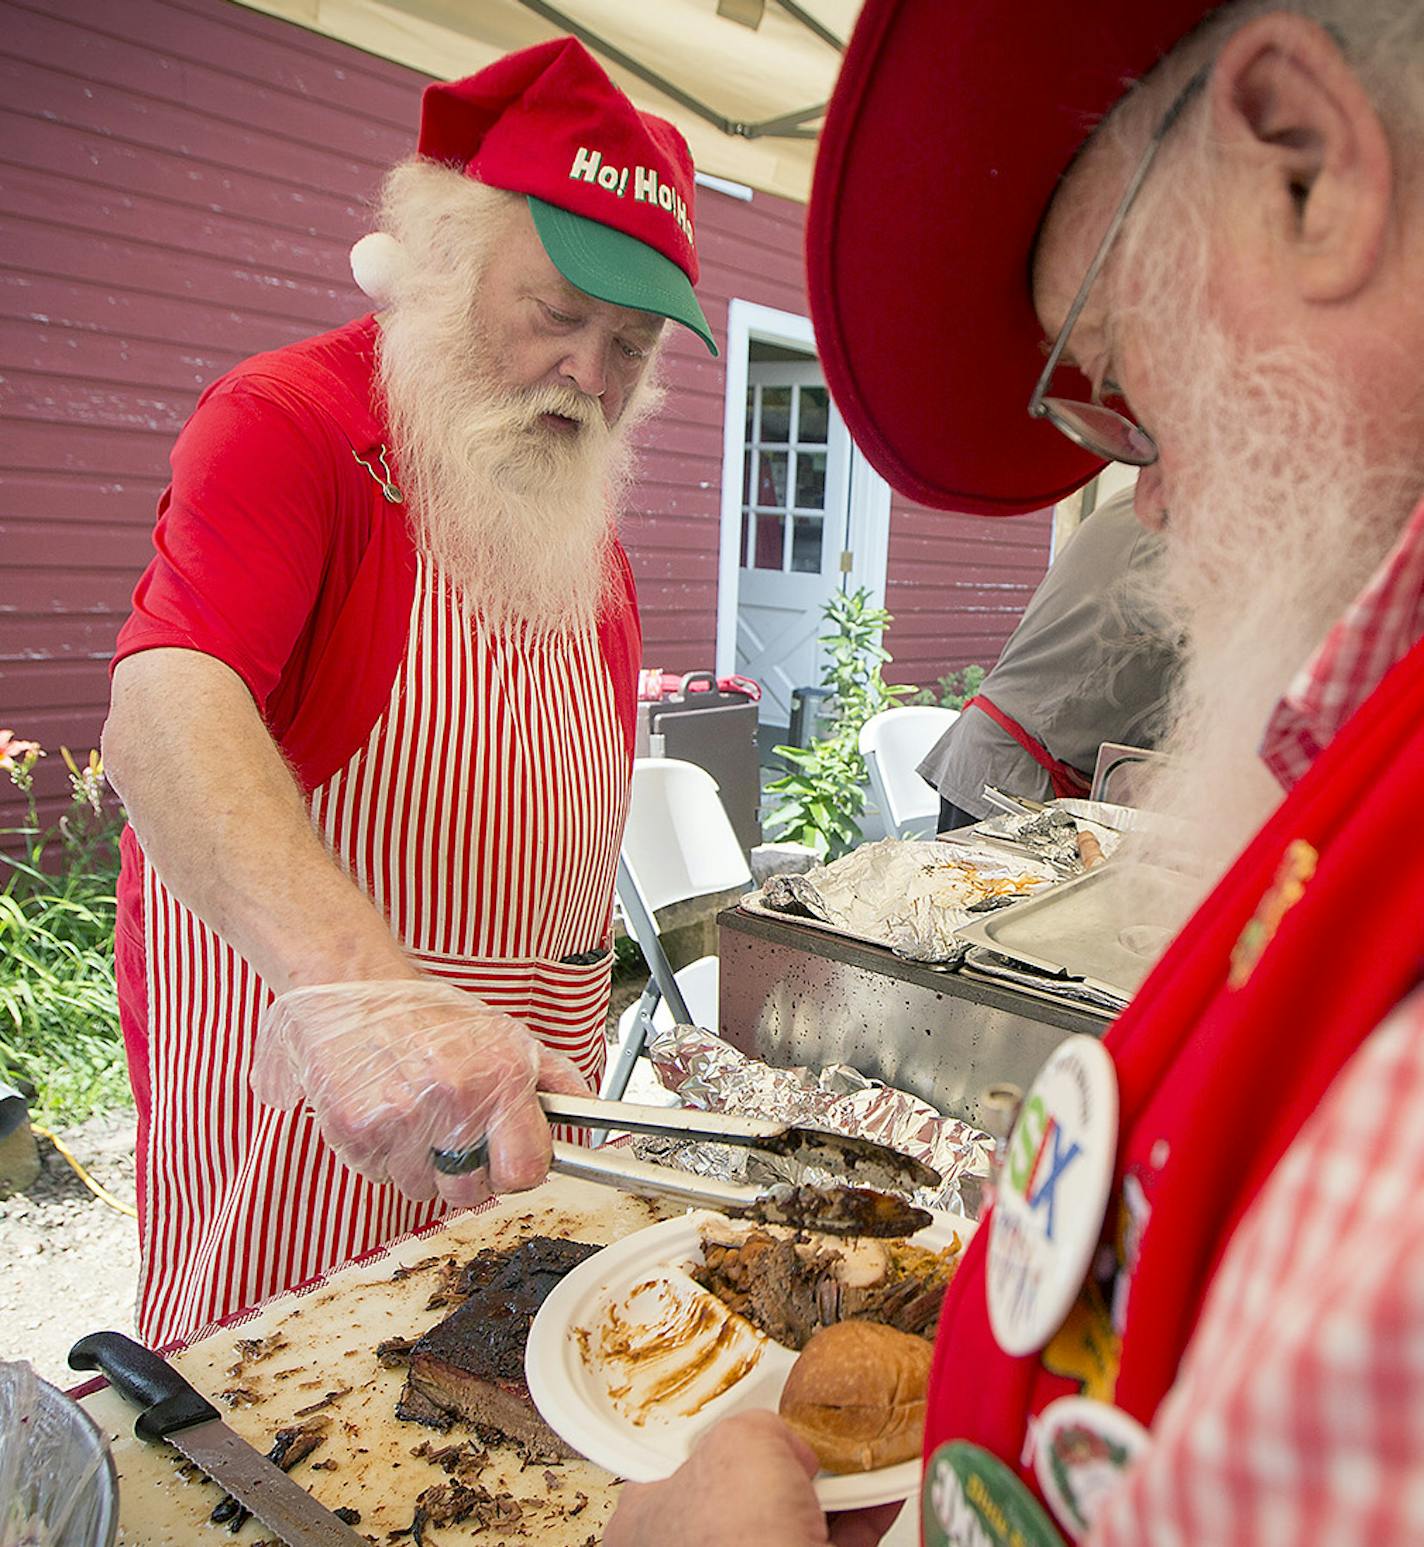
column 71, row 1261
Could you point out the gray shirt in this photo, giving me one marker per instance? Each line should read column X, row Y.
column 1086, row 665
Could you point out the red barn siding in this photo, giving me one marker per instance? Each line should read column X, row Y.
column 957, row 586
column 180, row 181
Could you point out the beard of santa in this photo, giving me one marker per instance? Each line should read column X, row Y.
column 1282, row 504
column 521, row 518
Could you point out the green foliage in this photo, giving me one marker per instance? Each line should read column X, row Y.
column 823, row 792
column 628, row 956
column 820, row 798
column 59, row 1017
column 954, row 689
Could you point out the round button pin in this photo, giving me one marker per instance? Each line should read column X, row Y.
column 1082, row 1447
column 971, row 1499
column 1051, row 1196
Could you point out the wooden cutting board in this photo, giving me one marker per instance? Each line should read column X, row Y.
column 366, row 1460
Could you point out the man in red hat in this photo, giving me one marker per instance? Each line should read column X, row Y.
column 373, row 712
column 1193, row 1314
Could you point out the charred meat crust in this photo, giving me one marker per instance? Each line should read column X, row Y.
column 471, row 1365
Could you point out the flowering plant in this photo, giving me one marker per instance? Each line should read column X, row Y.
column 18, row 757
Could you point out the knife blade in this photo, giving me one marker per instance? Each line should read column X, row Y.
column 171, row 1410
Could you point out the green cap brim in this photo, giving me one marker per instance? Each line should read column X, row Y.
column 615, row 267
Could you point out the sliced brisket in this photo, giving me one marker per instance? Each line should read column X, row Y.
column 471, row 1365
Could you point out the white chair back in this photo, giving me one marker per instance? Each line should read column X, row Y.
column 679, row 842
column 699, row 984
column 892, row 743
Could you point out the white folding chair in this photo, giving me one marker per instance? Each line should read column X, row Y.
column 892, row 743
column 698, row 983
column 678, row 844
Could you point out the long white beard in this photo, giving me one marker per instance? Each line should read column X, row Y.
column 520, row 516
column 1275, row 526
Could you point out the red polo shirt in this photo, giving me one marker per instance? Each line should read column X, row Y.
column 277, row 555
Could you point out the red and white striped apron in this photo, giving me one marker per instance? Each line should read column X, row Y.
column 483, row 816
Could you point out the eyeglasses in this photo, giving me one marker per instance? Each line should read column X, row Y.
column 1094, row 426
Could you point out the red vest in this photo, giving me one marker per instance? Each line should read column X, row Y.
column 1215, row 1081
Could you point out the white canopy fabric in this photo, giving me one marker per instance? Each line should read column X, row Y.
column 748, row 99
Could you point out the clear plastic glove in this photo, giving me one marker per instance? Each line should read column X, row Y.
column 395, row 1069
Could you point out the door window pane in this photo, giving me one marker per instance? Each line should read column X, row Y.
column 813, row 417
column 771, row 478
column 785, row 468
column 770, row 531
column 811, row 480
column 807, row 534
column 776, row 413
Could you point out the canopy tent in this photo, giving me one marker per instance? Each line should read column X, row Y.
column 746, row 81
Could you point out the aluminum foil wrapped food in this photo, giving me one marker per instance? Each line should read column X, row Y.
column 1053, row 834
column 909, row 896
column 708, row 1073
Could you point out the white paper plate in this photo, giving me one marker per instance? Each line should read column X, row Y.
column 580, row 1402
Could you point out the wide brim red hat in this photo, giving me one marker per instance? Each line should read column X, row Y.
column 950, row 127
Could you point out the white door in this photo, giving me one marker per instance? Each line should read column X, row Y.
column 794, row 509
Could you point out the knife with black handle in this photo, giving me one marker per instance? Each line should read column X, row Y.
column 171, row 1411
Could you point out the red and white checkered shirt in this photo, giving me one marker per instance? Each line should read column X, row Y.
column 1379, row 629
column 1298, row 1413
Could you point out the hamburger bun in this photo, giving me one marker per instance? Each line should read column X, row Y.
column 856, row 1395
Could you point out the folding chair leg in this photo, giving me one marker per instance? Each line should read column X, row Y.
column 620, row 1071
column 645, row 931
column 661, row 985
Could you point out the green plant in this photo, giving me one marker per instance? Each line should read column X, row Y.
column 628, row 956
column 59, row 1022
column 954, row 689
column 823, row 793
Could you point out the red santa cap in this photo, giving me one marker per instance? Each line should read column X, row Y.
column 610, row 188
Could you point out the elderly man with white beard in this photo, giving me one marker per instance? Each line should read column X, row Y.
column 373, row 713
column 1194, row 1312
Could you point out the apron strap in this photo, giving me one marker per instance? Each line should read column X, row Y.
column 1065, row 778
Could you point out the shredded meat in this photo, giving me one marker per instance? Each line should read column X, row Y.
column 791, row 1289
column 394, row 1352
column 453, row 1503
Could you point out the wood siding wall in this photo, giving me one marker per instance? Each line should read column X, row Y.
column 957, row 587
column 180, row 182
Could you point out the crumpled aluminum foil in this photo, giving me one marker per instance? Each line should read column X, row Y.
column 907, row 895
column 1051, row 834
column 710, row 1074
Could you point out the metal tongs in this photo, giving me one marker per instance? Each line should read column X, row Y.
column 861, row 1208
column 1012, row 805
